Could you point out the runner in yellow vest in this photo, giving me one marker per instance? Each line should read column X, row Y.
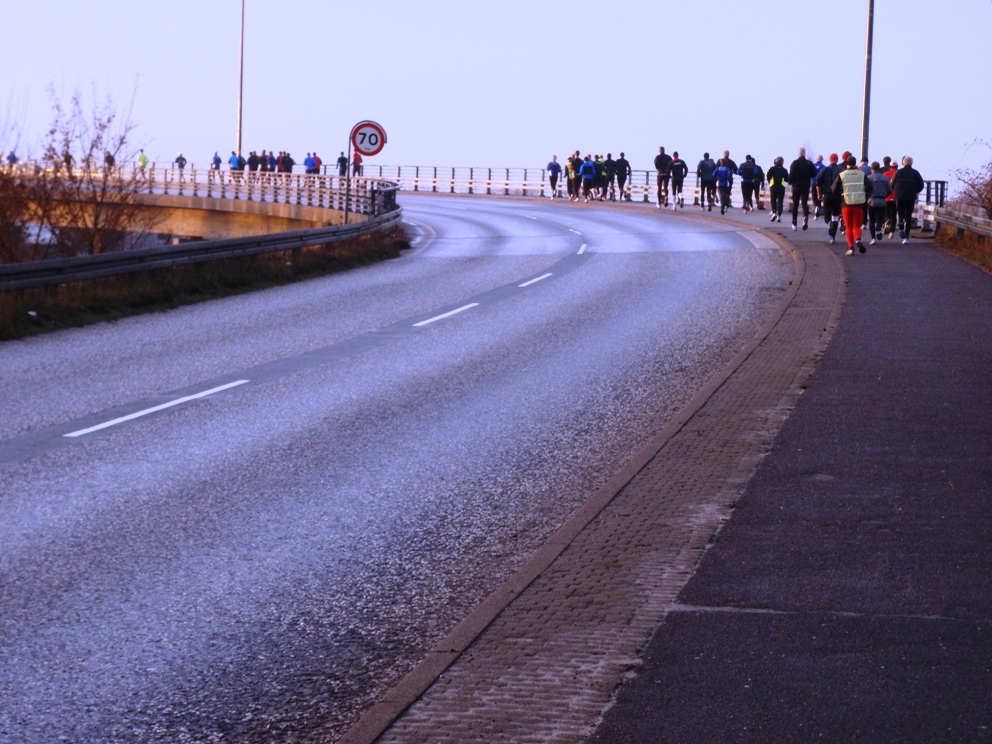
column 853, row 187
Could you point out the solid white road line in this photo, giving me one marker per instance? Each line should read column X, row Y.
column 582, row 249
column 533, row 281
column 575, row 231
column 153, row 409
column 445, row 315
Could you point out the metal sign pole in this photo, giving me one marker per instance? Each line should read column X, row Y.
column 867, row 108
column 241, row 75
column 347, row 175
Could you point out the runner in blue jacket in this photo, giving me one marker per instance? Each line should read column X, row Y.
column 724, row 176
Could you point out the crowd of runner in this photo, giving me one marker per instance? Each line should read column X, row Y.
column 849, row 196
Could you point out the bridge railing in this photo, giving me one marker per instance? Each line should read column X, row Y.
column 369, row 196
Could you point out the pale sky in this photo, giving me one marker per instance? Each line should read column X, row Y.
column 510, row 83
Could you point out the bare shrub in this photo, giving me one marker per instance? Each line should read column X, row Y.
column 976, row 185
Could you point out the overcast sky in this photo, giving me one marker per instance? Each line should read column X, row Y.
column 470, row 82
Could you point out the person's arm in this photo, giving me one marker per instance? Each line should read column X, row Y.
column 837, row 188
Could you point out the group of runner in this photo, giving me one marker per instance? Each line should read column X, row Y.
column 881, row 194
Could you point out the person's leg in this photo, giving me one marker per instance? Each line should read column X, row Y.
column 554, row 184
column 795, row 205
column 905, row 209
column 805, row 197
column 890, row 217
column 747, row 191
column 848, row 213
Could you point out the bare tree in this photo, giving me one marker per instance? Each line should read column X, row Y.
column 976, row 185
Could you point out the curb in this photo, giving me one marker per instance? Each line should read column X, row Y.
column 415, row 683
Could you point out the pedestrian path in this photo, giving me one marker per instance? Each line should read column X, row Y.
column 849, row 598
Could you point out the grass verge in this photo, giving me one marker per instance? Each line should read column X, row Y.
column 969, row 246
column 31, row 311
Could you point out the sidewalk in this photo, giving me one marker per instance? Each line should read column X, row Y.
column 849, row 598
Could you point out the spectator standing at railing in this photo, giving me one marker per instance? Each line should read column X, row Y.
column 142, row 160
column 724, row 176
column 831, row 202
column 356, row 164
column 707, row 185
column 215, row 162
column 623, row 173
column 233, row 161
column 880, row 190
column 663, row 166
column 108, row 160
column 317, row 162
column 679, row 171
column 272, row 162
column 778, row 176
column 309, row 164
column 180, row 161
column 853, row 187
column 252, row 161
column 554, row 170
column 801, row 174
column 263, row 162
column 287, row 162
column 342, row 165
column 907, row 184
column 889, row 170
column 12, row 157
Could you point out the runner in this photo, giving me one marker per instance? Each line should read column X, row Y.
column 577, row 163
column 814, row 188
column 746, row 172
column 889, row 171
column 663, row 165
column 830, row 202
column 611, row 174
column 707, row 185
column 623, row 172
column 759, row 178
column 588, row 173
column 724, row 176
column 801, row 174
column 853, row 187
column 554, row 170
column 570, row 177
column 679, row 171
column 907, row 185
column 880, row 190
column 600, row 182
column 777, row 178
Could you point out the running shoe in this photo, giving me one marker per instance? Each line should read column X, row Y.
column 794, row 228
column 861, row 247
column 905, row 241
column 805, row 223
column 850, row 252
column 871, row 242
column 832, row 240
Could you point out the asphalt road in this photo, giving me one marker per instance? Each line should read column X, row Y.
column 262, row 562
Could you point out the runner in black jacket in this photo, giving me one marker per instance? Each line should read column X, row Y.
column 801, row 175
column 663, row 164
column 623, row 173
column 679, row 171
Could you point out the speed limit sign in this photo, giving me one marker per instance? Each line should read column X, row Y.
column 368, row 138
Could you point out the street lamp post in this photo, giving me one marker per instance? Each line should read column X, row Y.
column 241, row 75
column 867, row 108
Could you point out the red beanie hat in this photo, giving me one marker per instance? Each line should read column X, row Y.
column 833, row 157
column 846, row 155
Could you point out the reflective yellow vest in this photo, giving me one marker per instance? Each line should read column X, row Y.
column 853, row 182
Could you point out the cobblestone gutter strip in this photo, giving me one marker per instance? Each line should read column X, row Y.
column 539, row 660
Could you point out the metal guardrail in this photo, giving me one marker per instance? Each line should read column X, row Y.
column 963, row 221
column 64, row 270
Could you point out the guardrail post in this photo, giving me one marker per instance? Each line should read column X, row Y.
column 471, row 179
column 416, row 178
column 647, row 184
column 699, row 193
column 543, row 172
column 151, row 180
column 506, row 183
column 192, row 173
column 489, row 181
column 434, row 185
column 525, row 182
column 452, row 180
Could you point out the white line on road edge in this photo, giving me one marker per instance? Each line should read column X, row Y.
column 532, row 281
column 153, row 409
column 445, row 315
column 575, row 231
column 582, row 249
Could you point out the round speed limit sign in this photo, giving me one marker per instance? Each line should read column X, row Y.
column 368, row 138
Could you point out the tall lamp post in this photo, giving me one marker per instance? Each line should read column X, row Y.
column 867, row 108
column 241, row 75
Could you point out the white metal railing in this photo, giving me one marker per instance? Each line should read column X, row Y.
column 362, row 195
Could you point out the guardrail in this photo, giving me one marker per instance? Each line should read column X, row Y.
column 60, row 271
column 964, row 222
column 363, row 195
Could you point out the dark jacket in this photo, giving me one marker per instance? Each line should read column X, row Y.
column 880, row 189
column 705, row 169
column 826, row 177
column 663, row 164
column 623, row 169
column 907, row 183
column 802, row 172
column 746, row 172
column 777, row 176
column 611, row 168
column 724, row 176
column 679, row 169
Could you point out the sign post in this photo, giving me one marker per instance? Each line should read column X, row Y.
column 368, row 139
